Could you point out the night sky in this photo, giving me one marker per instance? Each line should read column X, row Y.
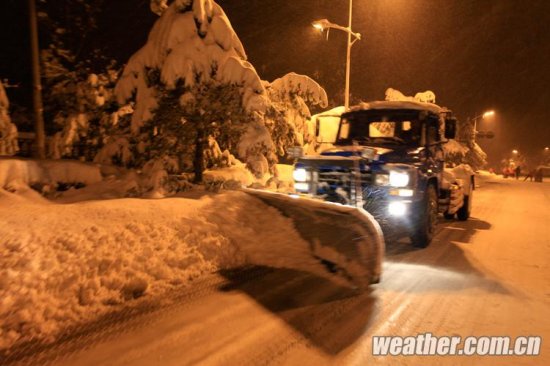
column 474, row 54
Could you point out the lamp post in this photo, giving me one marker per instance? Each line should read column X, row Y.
column 325, row 24
column 481, row 116
column 40, row 139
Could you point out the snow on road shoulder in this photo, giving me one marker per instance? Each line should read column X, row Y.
column 64, row 264
column 47, row 171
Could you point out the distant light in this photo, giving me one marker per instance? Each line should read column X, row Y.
column 488, row 114
column 397, row 208
column 546, row 148
column 514, row 152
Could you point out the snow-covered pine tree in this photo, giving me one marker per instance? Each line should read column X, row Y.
column 8, row 130
column 455, row 152
column 288, row 114
column 191, row 82
column 474, row 156
column 85, row 108
column 78, row 79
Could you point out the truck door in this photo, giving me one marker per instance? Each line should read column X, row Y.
column 435, row 156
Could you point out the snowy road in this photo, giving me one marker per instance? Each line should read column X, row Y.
column 487, row 276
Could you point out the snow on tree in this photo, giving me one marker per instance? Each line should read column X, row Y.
column 475, row 156
column 191, row 82
column 83, row 114
column 8, row 130
column 455, row 152
column 158, row 6
column 288, row 115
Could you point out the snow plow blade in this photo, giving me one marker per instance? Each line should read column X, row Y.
column 347, row 240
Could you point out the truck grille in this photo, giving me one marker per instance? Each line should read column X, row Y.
column 342, row 177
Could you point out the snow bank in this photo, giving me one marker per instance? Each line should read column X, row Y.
column 79, row 261
column 47, row 172
column 231, row 177
column 483, row 177
column 285, row 172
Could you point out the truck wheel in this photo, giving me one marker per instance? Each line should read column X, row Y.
column 424, row 228
column 463, row 213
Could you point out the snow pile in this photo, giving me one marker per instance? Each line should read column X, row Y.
column 423, row 97
column 79, row 261
column 285, row 172
column 231, row 177
column 47, row 172
column 461, row 175
column 8, row 131
column 448, row 178
column 485, row 173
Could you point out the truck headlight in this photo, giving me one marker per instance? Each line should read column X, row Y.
column 399, row 179
column 300, row 175
column 397, row 208
column 301, row 187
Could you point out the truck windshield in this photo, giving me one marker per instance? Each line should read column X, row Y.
column 381, row 128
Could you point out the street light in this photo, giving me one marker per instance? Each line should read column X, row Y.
column 515, row 152
column 325, row 24
column 481, row 116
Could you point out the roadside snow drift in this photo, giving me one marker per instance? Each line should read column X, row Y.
column 65, row 264
column 47, row 172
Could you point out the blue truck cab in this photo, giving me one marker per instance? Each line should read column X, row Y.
column 388, row 159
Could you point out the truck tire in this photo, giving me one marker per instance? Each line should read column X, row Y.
column 463, row 213
column 424, row 228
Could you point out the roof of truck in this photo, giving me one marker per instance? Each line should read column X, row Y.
column 434, row 108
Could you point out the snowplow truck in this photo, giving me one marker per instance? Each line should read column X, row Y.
column 388, row 159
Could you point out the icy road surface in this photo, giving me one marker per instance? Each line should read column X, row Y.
column 487, row 276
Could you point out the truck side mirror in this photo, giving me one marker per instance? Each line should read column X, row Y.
column 450, row 128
